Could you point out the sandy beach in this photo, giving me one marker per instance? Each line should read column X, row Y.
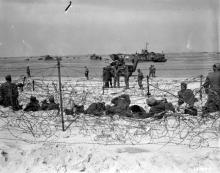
column 34, row 142
column 65, row 49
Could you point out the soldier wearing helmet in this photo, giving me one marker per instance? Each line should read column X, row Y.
column 212, row 88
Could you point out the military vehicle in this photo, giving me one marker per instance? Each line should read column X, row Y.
column 121, row 65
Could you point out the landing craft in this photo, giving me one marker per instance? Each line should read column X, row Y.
column 142, row 57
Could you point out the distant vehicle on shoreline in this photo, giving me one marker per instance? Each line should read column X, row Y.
column 142, row 57
column 95, row 57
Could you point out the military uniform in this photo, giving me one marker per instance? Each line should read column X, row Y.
column 52, row 105
column 116, row 76
column 151, row 71
column 87, row 73
column 9, row 95
column 96, row 109
column 140, row 79
column 33, row 105
column 110, row 71
column 186, row 96
column 138, row 111
column 106, row 76
column 126, row 76
column 159, row 107
column 28, row 72
column 44, row 105
column 212, row 86
column 121, row 106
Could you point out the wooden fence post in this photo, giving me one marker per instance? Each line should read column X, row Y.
column 60, row 89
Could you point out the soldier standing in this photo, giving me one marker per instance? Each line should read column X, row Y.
column 28, row 71
column 115, row 76
column 151, row 71
column 9, row 94
column 212, row 88
column 110, row 72
column 106, row 76
column 86, row 72
column 140, row 78
column 126, row 75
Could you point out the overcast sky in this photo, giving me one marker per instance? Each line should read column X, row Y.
column 39, row 27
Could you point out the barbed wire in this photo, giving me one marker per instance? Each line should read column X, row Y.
column 42, row 126
column 173, row 128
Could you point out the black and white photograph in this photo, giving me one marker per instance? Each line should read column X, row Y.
column 109, row 86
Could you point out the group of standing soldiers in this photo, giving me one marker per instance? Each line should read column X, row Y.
column 117, row 69
column 152, row 71
column 113, row 71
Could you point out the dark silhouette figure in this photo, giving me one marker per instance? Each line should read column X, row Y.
column 86, row 72
column 28, row 71
column 9, row 94
column 33, row 105
column 212, row 88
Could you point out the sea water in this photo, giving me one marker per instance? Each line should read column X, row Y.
column 178, row 65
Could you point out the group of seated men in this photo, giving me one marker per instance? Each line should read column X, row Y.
column 121, row 106
column 34, row 105
column 9, row 97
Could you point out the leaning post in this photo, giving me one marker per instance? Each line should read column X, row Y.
column 60, row 89
column 148, row 87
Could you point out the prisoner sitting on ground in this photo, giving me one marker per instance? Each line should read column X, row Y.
column 212, row 88
column 186, row 96
column 33, row 105
column 75, row 109
column 52, row 105
column 120, row 106
column 158, row 107
column 44, row 105
column 96, row 109
column 138, row 112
